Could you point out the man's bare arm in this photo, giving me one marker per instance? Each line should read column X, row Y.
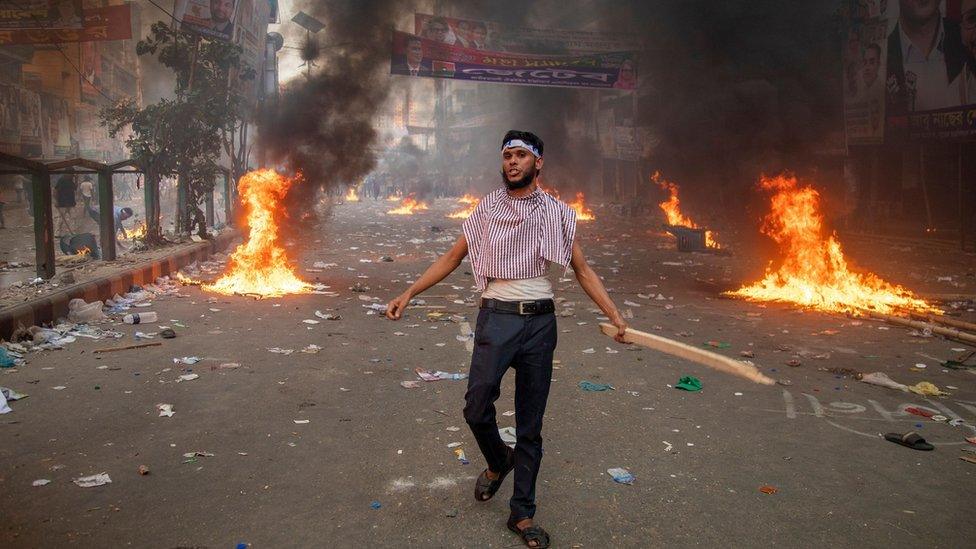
column 594, row 288
column 438, row 271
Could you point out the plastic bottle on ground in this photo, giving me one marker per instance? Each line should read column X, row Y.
column 140, row 318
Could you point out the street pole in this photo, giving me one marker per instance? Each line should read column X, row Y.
column 43, row 223
column 106, row 215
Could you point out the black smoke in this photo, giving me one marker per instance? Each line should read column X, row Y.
column 322, row 126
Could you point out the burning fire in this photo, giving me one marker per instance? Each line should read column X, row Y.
column 583, row 212
column 408, row 206
column 472, row 203
column 814, row 271
column 351, row 195
column 260, row 265
column 137, row 232
column 83, row 251
column 672, row 209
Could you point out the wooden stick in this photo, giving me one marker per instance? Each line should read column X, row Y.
column 694, row 354
column 942, row 319
column 127, row 347
column 951, row 333
column 949, row 297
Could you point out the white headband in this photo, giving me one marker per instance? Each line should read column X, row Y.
column 511, row 143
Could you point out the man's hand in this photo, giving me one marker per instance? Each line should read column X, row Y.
column 621, row 325
column 394, row 309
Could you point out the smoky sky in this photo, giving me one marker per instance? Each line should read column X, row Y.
column 729, row 90
column 322, row 126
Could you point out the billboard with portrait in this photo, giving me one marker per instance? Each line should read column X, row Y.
column 489, row 35
column 210, row 18
column 929, row 52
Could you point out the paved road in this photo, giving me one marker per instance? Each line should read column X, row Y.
column 699, row 458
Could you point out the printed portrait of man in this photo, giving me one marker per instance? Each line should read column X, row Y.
column 222, row 16
column 413, row 62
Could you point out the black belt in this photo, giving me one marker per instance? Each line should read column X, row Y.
column 533, row 307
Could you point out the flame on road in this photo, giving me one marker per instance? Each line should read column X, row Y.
column 464, row 213
column 813, row 271
column 260, row 265
column 351, row 195
column 583, row 212
column 409, row 206
column 672, row 209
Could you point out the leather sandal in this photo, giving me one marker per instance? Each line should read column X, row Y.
column 532, row 536
column 485, row 488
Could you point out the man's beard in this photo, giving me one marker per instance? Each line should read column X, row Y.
column 525, row 181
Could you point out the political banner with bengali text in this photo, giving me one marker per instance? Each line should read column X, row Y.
column 41, row 14
column 415, row 56
column 99, row 24
column 492, row 36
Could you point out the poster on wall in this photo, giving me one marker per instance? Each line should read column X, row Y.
column 106, row 23
column 864, row 62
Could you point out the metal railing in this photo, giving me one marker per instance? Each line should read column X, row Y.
column 43, row 210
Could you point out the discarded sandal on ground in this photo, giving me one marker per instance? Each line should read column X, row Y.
column 532, row 536
column 485, row 488
column 911, row 440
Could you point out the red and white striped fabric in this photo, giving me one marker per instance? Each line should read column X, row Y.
column 516, row 238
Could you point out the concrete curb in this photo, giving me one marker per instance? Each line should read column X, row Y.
column 51, row 307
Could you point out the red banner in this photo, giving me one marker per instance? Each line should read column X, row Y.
column 108, row 23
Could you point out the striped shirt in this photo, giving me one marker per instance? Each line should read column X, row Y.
column 516, row 238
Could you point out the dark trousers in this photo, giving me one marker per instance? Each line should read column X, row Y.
column 525, row 343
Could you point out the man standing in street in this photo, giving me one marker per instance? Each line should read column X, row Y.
column 512, row 237
column 87, row 189
column 64, row 198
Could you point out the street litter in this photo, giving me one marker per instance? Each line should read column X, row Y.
column 689, row 383
column 621, row 475
column 509, row 438
column 925, row 388
column 881, row 379
column 198, row 454
column 311, row 349
column 427, row 375
column 94, row 480
column 41, row 482
column 301, row 421
column 310, row 321
column 226, row 366
column 327, row 316
column 410, row 384
column 143, row 470
column 594, row 387
column 280, row 351
column 165, row 410
column 459, row 452
column 140, row 335
column 7, row 358
column 80, row 312
column 768, row 490
column 189, row 360
column 187, row 377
